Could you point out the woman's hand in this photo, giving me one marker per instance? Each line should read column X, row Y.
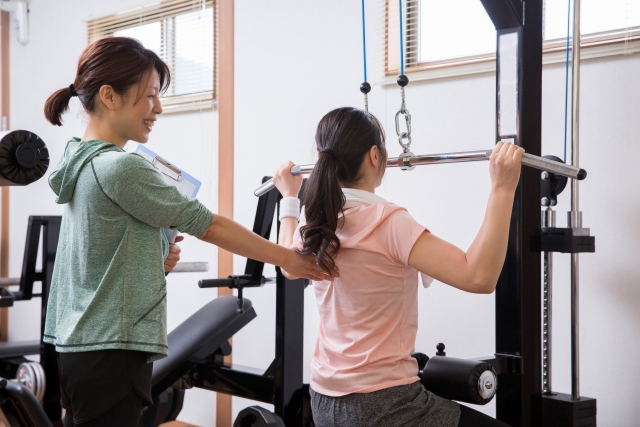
column 504, row 166
column 287, row 183
column 305, row 266
column 174, row 255
column 231, row 236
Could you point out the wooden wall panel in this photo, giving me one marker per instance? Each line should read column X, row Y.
column 225, row 160
column 5, row 33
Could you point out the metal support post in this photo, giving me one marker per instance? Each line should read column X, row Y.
column 548, row 220
column 575, row 217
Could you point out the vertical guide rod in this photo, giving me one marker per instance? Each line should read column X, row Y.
column 575, row 217
column 548, row 220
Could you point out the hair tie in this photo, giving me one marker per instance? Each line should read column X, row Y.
column 330, row 152
column 72, row 90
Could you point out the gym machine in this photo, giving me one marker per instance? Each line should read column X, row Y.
column 40, row 379
column 522, row 356
column 33, row 398
column 523, row 337
column 197, row 348
column 24, row 159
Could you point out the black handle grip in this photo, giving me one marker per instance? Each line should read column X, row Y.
column 216, row 283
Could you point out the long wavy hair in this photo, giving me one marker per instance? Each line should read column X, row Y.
column 343, row 139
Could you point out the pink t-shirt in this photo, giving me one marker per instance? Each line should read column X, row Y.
column 369, row 315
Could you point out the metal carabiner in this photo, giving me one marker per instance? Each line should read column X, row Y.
column 404, row 135
column 405, row 146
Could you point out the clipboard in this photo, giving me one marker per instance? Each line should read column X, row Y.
column 173, row 175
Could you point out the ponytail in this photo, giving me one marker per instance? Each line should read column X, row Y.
column 343, row 138
column 323, row 201
column 119, row 62
column 57, row 104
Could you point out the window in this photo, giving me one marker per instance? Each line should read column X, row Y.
column 182, row 33
column 443, row 34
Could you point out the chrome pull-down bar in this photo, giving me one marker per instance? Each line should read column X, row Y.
column 464, row 156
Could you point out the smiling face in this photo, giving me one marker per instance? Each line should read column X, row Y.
column 138, row 109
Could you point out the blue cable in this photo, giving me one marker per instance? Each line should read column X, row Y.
column 401, row 43
column 364, row 44
column 566, row 81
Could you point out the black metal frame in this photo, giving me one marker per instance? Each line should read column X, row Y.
column 282, row 383
column 518, row 357
column 47, row 227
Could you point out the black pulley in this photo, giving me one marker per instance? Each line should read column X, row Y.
column 24, row 157
column 257, row 416
column 551, row 185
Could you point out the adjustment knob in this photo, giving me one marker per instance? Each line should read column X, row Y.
column 440, row 348
column 28, row 155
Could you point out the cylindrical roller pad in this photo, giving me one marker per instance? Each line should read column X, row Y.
column 463, row 380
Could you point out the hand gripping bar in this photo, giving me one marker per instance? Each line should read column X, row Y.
column 464, row 156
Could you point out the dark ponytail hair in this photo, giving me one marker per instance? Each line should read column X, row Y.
column 120, row 62
column 343, row 138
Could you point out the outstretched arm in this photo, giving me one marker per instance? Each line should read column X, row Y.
column 233, row 237
column 478, row 269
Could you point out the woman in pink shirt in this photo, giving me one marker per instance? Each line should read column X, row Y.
column 362, row 372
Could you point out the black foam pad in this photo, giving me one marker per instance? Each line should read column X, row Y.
column 24, row 157
column 455, row 379
column 198, row 337
column 19, row 348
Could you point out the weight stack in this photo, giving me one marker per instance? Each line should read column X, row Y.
column 560, row 410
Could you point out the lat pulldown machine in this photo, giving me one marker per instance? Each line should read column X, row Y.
column 523, row 342
column 523, row 338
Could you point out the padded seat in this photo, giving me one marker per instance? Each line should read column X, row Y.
column 12, row 349
column 198, row 337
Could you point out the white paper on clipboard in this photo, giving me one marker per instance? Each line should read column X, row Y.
column 172, row 175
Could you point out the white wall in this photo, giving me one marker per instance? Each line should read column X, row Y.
column 297, row 60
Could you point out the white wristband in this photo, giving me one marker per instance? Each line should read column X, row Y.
column 290, row 208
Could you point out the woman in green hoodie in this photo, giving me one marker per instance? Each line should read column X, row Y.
column 107, row 307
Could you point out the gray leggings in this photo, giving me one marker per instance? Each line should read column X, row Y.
column 408, row 406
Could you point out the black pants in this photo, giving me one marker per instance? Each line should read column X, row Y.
column 125, row 413
column 472, row 418
column 104, row 388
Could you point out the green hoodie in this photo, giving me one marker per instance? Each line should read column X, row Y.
column 108, row 289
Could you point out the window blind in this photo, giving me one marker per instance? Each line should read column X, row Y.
column 182, row 33
column 601, row 21
column 439, row 34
